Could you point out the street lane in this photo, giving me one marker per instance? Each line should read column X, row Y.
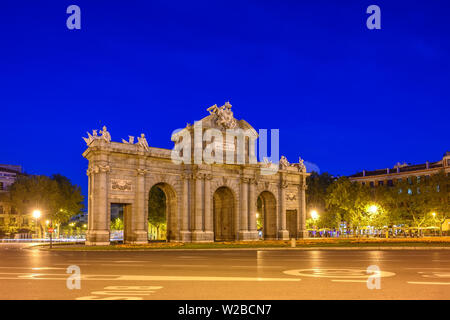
column 214, row 274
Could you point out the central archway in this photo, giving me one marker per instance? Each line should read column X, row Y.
column 267, row 215
column 223, row 206
column 162, row 212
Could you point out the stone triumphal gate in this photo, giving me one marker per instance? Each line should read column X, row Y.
column 204, row 202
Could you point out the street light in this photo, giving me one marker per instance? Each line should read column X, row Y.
column 314, row 214
column 36, row 215
column 373, row 209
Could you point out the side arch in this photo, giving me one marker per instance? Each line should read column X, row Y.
column 224, row 214
column 171, row 208
column 267, row 208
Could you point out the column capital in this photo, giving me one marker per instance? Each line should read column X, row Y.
column 245, row 180
column 101, row 168
column 141, row 172
column 198, row 176
column 186, row 176
column 284, row 184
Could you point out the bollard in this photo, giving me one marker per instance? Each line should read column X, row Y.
column 293, row 243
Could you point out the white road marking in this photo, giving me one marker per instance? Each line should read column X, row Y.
column 253, row 267
column 335, row 273
column 121, row 265
column 428, row 268
column 427, row 283
column 34, row 268
column 187, row 265
column 341, row 280
column 101, row 277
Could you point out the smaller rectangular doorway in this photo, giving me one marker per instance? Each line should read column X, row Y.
column 120, row 224
column 291, row 223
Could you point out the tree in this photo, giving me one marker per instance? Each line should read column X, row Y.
column 438, row 201
column 117, row 224
column 347, row 201
column 316, row 193
column 54, row 196
column 157, row 209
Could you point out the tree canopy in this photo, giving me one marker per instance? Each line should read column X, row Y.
column 56, row 197
column 415, row 201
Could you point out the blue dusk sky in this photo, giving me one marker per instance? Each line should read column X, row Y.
column 344, row 97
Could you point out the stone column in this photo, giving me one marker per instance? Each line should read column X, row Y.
column 98, row 230
column 198, row 233
column 185, row 232
column 243, row 230
column 253, row 232
column 137, row 233
column 209, row 232
column 302, row 232
column 282, row 232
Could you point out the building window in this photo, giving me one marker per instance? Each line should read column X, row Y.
column 409, row 191
column 13, row 220
column 1, row 209
column 2, row 221
column 390, row 183
column 1, row 186
column 380, row 183
column 363, row 183
column 13, row 210
column 372, row 184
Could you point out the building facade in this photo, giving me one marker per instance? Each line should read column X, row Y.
column 389, row 176
column 11, row 221
column 206, row 200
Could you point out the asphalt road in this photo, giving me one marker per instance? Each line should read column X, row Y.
column 213, row 274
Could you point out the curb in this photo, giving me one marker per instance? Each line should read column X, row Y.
column 258, row 249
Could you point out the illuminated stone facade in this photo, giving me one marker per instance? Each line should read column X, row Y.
column 204, row 202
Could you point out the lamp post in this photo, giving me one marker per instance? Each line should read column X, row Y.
column 434, row 222
column 36, row 215
column 314, row 215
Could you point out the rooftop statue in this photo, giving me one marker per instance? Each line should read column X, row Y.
column 105, row 134
column 224, row 115
column 130, row 140
column 301, row 165
column 284, row 163
column 142, row 142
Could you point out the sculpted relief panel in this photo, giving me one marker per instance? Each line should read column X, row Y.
column 121, row 185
